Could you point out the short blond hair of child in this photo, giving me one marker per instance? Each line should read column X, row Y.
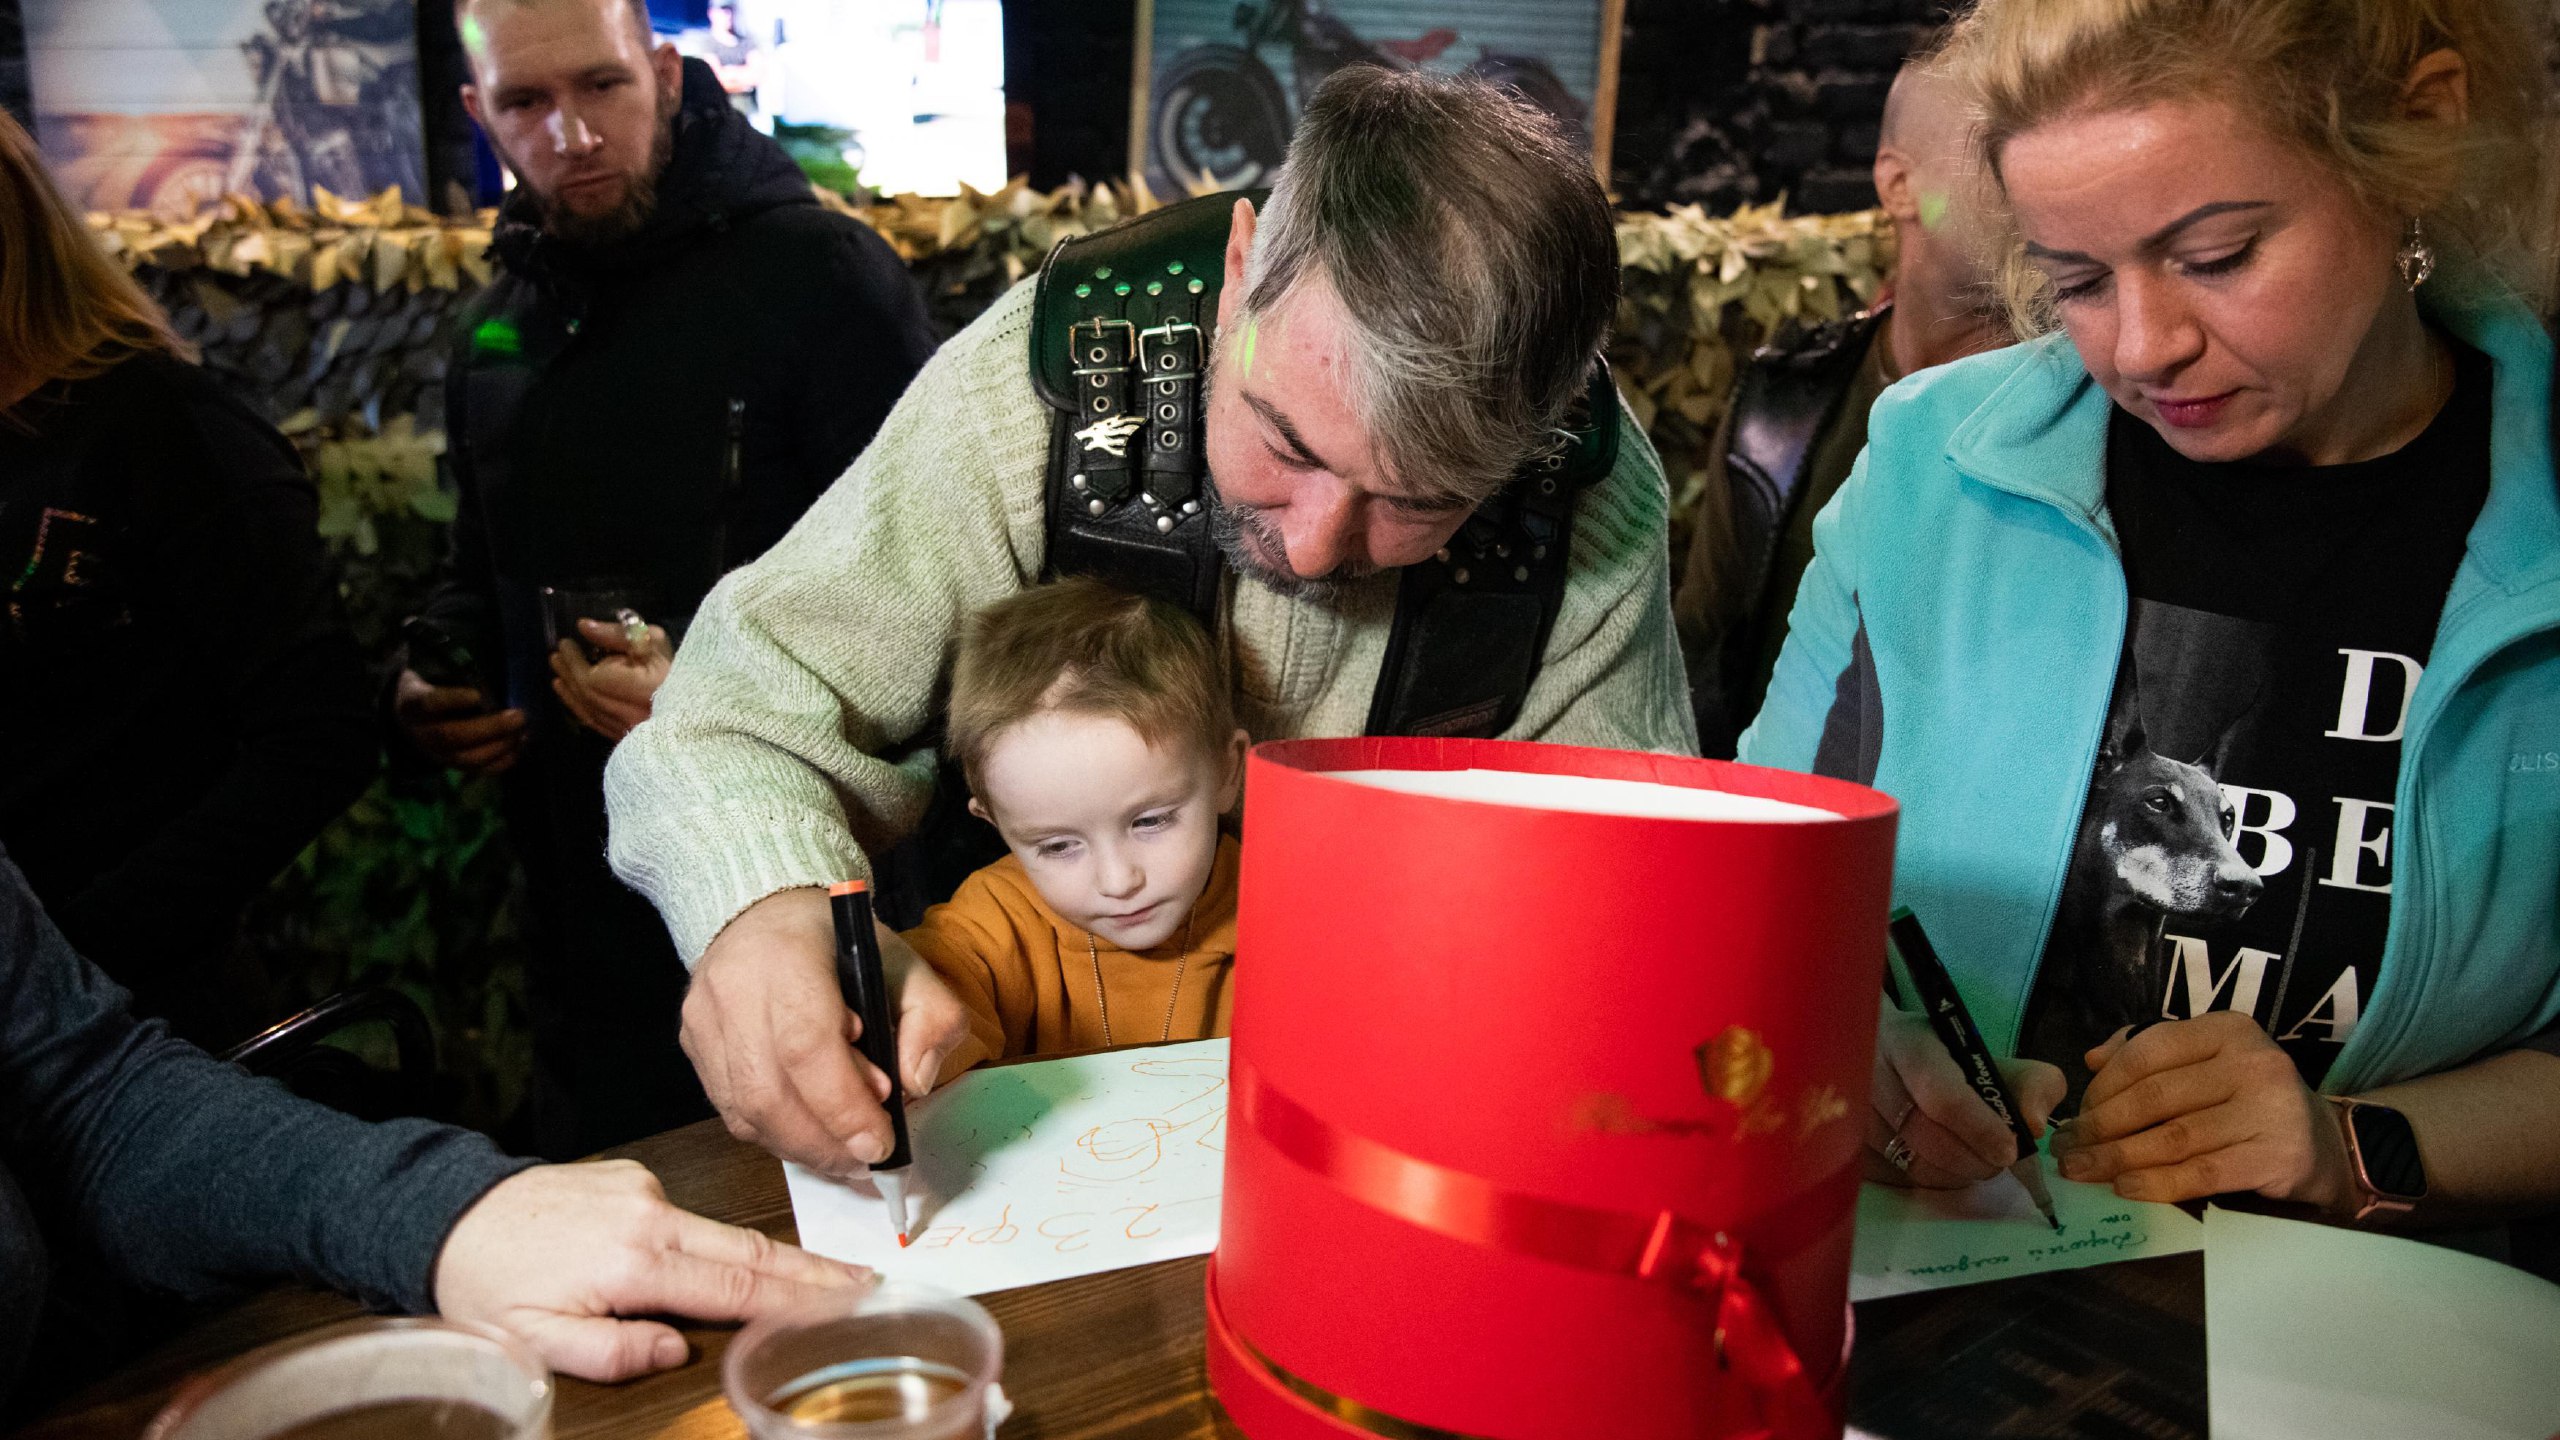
column 1080, row 646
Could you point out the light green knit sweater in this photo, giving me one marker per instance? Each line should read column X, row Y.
column 762, row 767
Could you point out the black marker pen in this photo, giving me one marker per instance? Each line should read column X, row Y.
column 1936, row 991
column 866, row 994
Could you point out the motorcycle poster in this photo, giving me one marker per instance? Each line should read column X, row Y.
column 165, row 105
column 1220, row 83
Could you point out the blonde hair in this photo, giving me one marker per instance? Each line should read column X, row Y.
column 2325, row 76
column 67, row 310
column 1082, row 647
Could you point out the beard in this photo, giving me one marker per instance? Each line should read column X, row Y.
column 639, row 195
column 1254, row 548
column 1253, row 545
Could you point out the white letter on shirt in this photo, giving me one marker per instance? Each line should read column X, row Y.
column 2355, row 698
column 2246, row 972
column 2278, row 853
column 2346, row 863
column 2343, row 1008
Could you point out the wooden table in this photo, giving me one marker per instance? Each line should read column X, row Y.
column 2111, row 1353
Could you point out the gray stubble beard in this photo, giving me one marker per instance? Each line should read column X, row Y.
column 1253, row 545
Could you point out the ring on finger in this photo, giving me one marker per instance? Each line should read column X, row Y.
column 1897, row 1152
column 1908, row 1106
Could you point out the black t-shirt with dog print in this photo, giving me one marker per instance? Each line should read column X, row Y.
column 2235, row 852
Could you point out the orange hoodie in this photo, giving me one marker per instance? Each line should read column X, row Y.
column 1035, row 984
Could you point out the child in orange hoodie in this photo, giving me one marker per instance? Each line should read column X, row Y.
column 1096, row 733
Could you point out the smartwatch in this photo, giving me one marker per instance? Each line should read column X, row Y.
column 2383, row 1151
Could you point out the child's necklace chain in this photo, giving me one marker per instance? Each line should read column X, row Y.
column 1093, row 953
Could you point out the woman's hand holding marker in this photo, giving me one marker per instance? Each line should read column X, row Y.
column 1927, row 1127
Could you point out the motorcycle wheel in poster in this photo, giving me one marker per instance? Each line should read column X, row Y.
column 1220, row 84
column 1222, row 121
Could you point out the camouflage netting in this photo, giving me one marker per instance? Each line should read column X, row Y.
column 335, row 320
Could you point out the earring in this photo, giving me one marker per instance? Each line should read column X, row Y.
column 2417, row 258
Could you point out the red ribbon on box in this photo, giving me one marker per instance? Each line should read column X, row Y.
column 1661, row 1247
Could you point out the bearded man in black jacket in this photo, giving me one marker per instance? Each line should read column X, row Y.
column 683, row 350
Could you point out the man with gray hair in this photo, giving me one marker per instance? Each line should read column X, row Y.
column 1362, row 432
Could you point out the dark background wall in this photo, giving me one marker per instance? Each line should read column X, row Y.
column 1720, row 102
column 1066, row 85
column 13, row 64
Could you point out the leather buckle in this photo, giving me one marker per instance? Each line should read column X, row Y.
column 1158, row 361
column 1103, row 351
column 1098, row 357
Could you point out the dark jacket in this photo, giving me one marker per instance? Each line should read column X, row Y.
column 182, row 707
column 640, row 417
column 661, row 409
column 127, row 1152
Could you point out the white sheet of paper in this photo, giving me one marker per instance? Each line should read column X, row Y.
column 1585, row 794
column 2317, row 1331
column 1039, row 1171
column 1932, row 1239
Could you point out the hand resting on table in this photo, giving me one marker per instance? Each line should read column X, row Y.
column 553, row 1254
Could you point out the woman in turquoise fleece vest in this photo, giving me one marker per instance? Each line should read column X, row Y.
column 2076, row 587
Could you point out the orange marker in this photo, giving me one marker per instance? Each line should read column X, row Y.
column 866, row 993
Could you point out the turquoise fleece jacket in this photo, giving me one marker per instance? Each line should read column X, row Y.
column 1955, row 645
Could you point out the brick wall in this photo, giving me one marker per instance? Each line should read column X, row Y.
column 1726, row 102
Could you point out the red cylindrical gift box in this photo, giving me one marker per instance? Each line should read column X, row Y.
column 1544, row 1125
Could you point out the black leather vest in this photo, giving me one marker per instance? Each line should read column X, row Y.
column 1122, row 327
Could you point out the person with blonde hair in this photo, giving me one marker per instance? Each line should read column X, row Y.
column 182, row 706
column 2211, row 638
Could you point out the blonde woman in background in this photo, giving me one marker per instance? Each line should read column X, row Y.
column 2211, row 640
